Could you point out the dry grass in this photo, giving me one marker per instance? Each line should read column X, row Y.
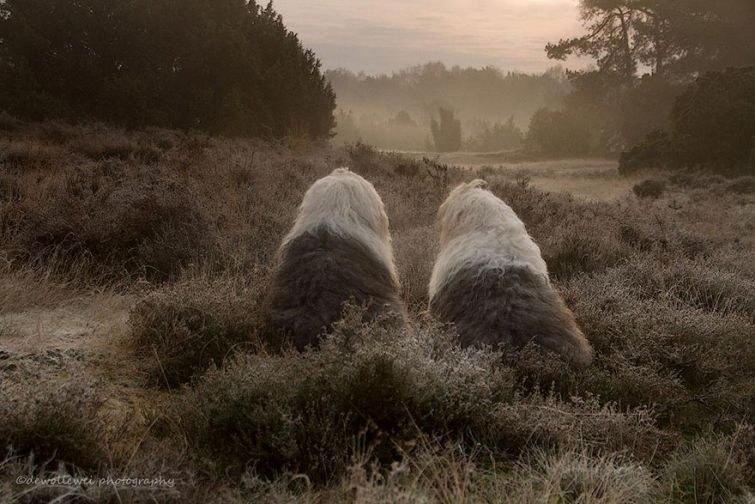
column 177, row 233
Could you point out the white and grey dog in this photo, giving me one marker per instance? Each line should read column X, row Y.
column 491, row 281
column 338, row 250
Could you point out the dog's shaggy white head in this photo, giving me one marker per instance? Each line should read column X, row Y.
column 349, row 206
column 478, row 229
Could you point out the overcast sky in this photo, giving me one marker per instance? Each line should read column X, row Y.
column 380, row 36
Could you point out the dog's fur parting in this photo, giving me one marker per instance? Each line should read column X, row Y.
column 492, row 283
column 338, row 251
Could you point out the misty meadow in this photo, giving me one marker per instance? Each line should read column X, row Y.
column 234, row 272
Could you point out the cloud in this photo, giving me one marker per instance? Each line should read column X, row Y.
column 386, row 35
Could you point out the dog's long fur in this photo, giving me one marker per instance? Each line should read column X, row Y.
column 490, row 279
column 338, row 251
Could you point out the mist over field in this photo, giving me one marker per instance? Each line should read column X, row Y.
column 534, row 282
column 395, row 112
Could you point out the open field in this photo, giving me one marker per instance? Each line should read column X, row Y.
column 135, row 338
column 587, row 179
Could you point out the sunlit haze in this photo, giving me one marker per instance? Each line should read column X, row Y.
column 379, row 36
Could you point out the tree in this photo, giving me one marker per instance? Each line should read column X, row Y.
column 670, row 38
column 713, row 121
column 668, row 42
column 610, row 26
column 646, row 107
column 712, row 126
column 447, row 132
column 346, row 130
column 225, row 66
column 558, row 133
column 498, row 137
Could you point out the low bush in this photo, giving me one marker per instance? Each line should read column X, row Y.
column 383, row 390
column 416, row 248
column 368, row 385
column 573, row 476
column 119, row 230
column 741, row 185
column 649, row 189
column 554, row 422
column 693, row 364
column 652, row 153
column 60, row 425
column 183, row 329
column 574, row 237
column 709, row 470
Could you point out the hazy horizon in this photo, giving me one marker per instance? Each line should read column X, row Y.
column 385, row 36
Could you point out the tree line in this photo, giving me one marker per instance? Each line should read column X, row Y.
column 223, row 66
column 397, row 110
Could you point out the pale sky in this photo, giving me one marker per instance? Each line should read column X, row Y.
column 380, row 36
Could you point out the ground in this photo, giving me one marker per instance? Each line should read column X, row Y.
column 134, row 339
column 590, row 179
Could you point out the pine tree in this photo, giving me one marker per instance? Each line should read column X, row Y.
column 447, row 132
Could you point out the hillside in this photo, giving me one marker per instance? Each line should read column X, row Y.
column 135, row 342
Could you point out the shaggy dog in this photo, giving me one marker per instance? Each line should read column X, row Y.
column 338, row 251
column 491, row 281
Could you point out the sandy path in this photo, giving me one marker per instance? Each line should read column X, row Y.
column 88, row 335
column 94, row 326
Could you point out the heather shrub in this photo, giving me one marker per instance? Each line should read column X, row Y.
column 183, row 329
column 382, row 390
column 550, row 422
column 695, row 284
column 414, row 250
column 105, row 217
column 579, row 249
column 574, row 237
column 370, row 162
column 368, row 385
column 650, row 153
column 17, row 155
column 60, row 425
column 364, row 158
column 105, row 214
column 574, row 476
column 741, row 185
column 440, row 472
column 649, row 189
column 105, row 144
column 711, row 470
column 651, row 347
